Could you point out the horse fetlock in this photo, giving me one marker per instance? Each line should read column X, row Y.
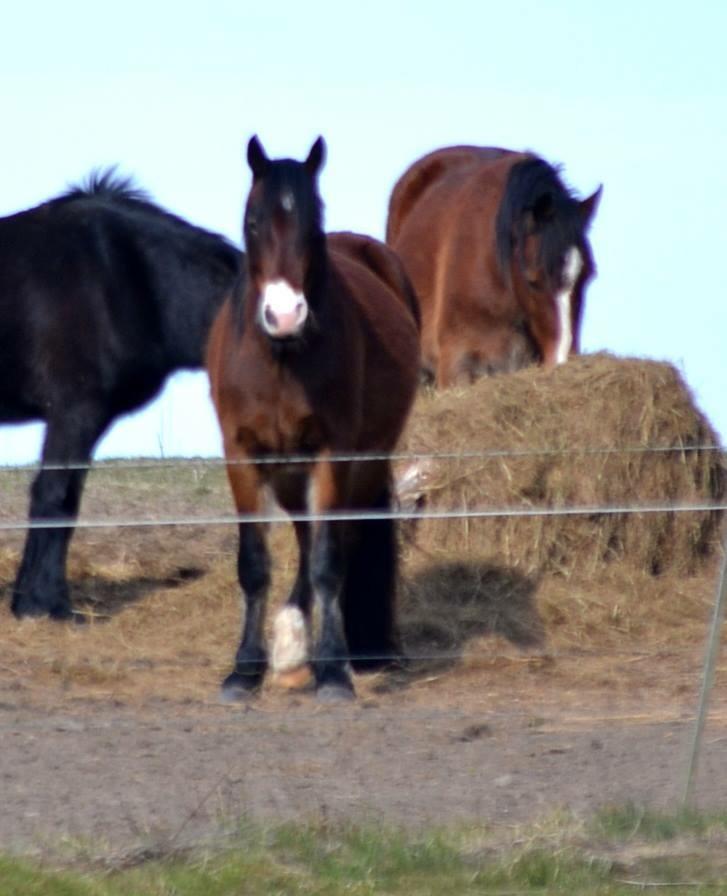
column 242, row 684
column 333, row 680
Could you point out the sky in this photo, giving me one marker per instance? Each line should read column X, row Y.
column 631, row 95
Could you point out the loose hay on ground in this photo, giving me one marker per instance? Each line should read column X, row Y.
column 166, row 602
column 589, row 434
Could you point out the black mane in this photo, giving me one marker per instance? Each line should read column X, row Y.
column 108, row 184
column 109, row 189
column 536, row 195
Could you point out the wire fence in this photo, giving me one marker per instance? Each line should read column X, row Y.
column 348, row 457
column 414, row 514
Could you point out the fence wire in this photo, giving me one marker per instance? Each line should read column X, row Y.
column 348, row 457
column 363, row 516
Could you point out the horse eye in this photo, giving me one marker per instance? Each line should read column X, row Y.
column 251, row 225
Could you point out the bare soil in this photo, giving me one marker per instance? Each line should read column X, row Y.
column 525, row 694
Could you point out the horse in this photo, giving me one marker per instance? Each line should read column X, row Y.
column 102, row 295
column 496, row 247
column 313, row 363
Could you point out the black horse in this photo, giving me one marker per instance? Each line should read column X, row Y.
column 102, row 295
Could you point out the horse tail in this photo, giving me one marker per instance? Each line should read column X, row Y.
column 368, row 598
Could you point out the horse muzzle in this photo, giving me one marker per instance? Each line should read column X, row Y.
column 283, row 310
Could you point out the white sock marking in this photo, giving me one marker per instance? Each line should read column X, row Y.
column 290, row 640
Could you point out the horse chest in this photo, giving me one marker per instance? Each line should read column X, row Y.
column 277, row 420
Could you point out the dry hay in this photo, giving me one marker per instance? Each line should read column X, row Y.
column 584, row 435
column 526, row 603
column 578, row 436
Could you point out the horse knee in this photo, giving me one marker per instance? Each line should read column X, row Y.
column 327, row 564
column 253, row 562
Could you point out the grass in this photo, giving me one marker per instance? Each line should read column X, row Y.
column 632, row 821
column 607, row 856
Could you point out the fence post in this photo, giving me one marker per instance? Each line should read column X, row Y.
column 710, row 661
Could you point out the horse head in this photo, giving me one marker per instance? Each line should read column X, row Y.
column 545, row 254
column 284, row 236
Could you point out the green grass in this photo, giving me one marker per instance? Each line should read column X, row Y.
column 626, row 822
column 562, row 857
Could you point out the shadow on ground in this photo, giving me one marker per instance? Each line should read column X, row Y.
column 446, row 605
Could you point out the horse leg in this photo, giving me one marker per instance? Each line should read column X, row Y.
column 546, row 329
column 253, row 572
column 449, row 367
column 41, row 588
column 327, row 572
column 369, row 591
column 292, row 624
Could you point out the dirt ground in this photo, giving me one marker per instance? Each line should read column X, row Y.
column 112, row 738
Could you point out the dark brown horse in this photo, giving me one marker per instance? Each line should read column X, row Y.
column 314, row 355
column 496, row 248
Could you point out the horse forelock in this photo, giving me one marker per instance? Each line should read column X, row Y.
column 287, row 186
column 535, row 192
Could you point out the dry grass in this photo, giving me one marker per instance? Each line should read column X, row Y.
column 600, row 602
column 593, row 421
column 595, row 581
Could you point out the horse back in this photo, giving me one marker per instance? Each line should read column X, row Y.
column 428, row 171
column 382, row 261
column 101, row 295
column 381, row 335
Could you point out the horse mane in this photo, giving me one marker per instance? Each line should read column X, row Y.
column 121, row 192
column 535, row 196
column 107, row 183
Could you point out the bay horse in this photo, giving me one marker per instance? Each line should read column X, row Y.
column 102, row 295
column 496, row 247
column 314, row 357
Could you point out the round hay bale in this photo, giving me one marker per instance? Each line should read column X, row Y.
column 598, row 432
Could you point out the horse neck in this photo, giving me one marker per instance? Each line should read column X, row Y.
column 190, row 306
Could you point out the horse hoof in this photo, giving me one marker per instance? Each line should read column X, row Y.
column 238, row 688
column 294, row 679
column 27, row 607
column 335, row 693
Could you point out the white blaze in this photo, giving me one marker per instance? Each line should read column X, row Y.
column 283, row 310
column 571, row 272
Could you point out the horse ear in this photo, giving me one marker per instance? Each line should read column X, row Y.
column 588, row 207
column 256, row 158
column 316, row 157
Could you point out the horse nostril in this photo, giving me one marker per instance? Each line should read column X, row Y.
column 270, row 318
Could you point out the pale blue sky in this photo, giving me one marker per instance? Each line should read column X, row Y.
column 632, row 95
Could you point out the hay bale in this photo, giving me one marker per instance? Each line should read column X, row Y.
column 591, row 433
